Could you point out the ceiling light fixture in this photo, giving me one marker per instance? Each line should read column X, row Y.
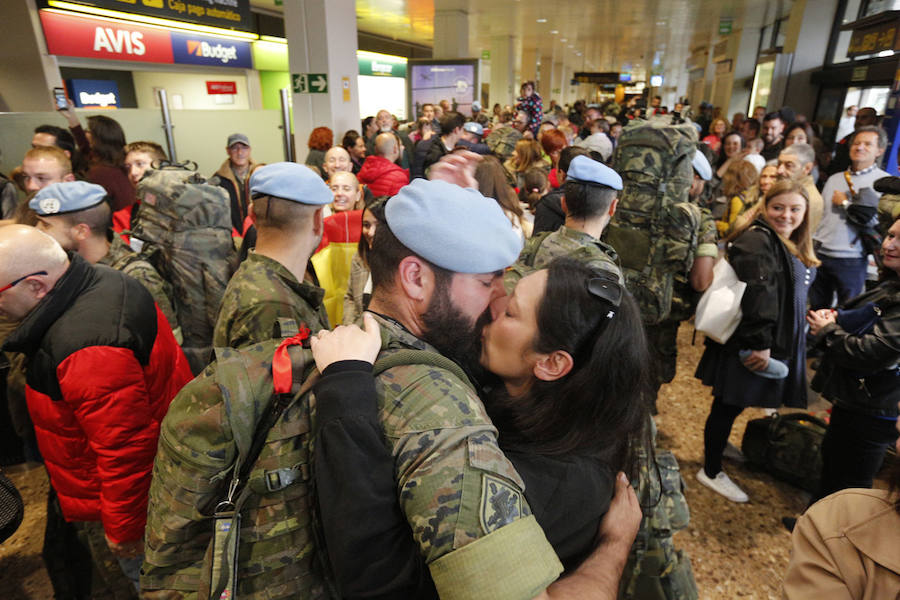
column 554, row 31
column 563, row 40
column 542, row 20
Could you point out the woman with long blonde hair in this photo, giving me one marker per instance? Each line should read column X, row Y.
column 763, row 362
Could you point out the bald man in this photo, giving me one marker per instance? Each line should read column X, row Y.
column 102, row 367
column 380, row 172
column 336, row 159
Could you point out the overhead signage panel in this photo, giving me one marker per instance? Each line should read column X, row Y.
column 102, row 38
column 109, row 39
column 193, row 49
column 228, row 14
column 599, row 78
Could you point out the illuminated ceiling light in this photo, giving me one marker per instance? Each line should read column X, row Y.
column 542, row 20
column 564, row 40
column 145, row 20
column 553, row 31
column 884, row 53
column 571, row 46
column 272, row 38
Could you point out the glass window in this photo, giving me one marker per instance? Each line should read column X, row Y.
column 762, row 85
column 851, row 13
column 873, row 7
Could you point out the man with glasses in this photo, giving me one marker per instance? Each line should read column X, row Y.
column 102, row 367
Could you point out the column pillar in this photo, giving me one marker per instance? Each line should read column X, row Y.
column 529, row 67
column 451, row 29
column 31, row 73
column 502, row 63
column 321, row 38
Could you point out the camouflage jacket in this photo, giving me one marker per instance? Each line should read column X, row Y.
column 684, row 297
column 463, row 499
column 122, row 258
column 260, row 292
column 539, row 251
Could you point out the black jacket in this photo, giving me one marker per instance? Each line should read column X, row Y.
column 548, row 213
column 859, row 372
column 761, row 260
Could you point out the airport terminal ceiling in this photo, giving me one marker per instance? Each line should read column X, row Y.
column 638, row 36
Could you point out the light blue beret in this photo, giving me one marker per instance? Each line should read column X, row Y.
column 701, row 165
column 585, row 169
column 473, row 127
column 290, row 181
column 67, row 197
column 452, row 227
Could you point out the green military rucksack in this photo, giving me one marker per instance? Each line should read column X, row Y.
column 788, row 446
column 184, row 225
column 655, row 569
column 231, row 501
column 654, row 229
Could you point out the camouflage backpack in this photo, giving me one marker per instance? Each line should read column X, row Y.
column 654, row 229
column 185, row 226
column 656, row 570
column 231, row 511
column 788, row 446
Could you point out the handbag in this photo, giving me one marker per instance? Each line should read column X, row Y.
column 719, row 310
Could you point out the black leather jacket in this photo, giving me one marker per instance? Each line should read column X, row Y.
column 859, row 372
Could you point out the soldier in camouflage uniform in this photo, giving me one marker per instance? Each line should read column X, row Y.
column 461, row 496
column 269, row 287
column 589, row 202
column 663, row 337
column 81, row 223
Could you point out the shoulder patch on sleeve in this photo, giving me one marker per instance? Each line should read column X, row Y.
column 501, row 503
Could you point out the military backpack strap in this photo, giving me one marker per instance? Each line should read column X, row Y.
column 288, row 370
column 418, row 357
column 532, row 246
column 285, row 327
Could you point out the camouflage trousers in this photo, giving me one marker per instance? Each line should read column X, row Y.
column 108, row 580
column 662, row 340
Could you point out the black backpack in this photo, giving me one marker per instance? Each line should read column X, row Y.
column 789, row 447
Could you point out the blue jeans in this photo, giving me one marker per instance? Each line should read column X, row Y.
column 131, row 567
column 845, row 276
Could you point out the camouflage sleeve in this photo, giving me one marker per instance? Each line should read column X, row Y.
column 456, row 487
column 151, row 280
column 250, row 324
column 707, row 237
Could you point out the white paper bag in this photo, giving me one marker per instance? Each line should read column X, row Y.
column 719, row 310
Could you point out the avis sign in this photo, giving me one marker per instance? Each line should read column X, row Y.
column 69, row 35
column 310, row 83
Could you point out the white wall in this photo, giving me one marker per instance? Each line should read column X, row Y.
column 191, row 87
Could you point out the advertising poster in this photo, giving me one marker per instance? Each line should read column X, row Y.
column 434, row 80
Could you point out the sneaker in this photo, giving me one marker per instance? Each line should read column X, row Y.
column 723, row 485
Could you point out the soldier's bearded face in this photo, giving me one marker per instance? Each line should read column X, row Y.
column 458, row 311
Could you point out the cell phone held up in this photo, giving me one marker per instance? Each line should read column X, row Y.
column 59, row 98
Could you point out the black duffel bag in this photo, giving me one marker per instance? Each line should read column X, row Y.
column 12, row 509
column 789, row 447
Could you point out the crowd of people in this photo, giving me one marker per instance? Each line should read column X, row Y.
column 481, row 297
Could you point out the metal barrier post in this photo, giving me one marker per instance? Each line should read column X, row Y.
column 167, row 124
column 286, row 124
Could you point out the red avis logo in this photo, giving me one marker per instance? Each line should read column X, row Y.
column 119, row 41
column 219, row 51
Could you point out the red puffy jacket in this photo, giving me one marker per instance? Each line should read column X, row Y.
column 382, row 177
column 103, row 366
